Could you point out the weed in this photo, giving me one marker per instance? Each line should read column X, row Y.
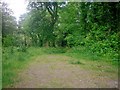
column 75, row 62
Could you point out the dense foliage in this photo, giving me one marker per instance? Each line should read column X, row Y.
column 87, row 26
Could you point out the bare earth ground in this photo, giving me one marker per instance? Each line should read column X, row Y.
column 54, row 71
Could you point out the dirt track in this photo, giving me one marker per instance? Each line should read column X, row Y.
column 54, row 71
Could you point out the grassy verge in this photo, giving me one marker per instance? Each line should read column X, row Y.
column 16, row 61
column 82, row 52
column 0, row 68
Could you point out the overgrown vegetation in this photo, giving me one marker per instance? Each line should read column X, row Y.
column 14, row 62
column 82, row 30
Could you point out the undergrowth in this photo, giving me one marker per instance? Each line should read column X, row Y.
column 13, row 62
column 85, row 53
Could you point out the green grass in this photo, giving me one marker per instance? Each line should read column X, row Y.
column 0, row 67
column 84, row 53
column 14, row 62
column 54, row 50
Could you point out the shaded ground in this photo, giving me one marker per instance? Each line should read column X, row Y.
column 54, row 71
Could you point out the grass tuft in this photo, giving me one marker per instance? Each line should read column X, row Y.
column 75, row 62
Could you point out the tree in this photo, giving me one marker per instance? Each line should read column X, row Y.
column 9, row 25
column 83, row 24
column 52, row 8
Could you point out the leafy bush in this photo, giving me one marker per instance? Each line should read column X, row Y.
column 8, row 41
